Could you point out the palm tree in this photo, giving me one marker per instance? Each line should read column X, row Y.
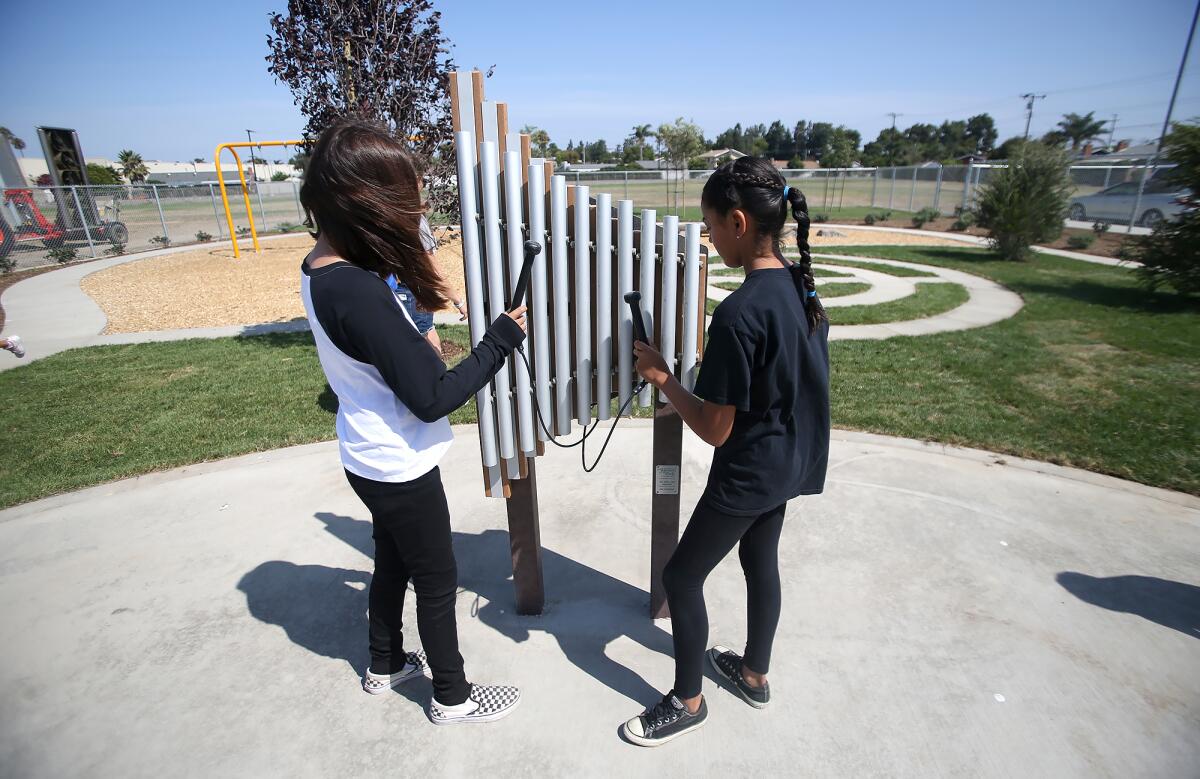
column 132, row 166
column 16, row 142
column 640, row 133
column 1080, row 129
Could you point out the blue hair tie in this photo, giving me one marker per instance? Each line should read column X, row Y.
column 785, row 191
column 812, row 293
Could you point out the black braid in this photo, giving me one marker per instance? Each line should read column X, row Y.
column 757, row 188
column 812, row 303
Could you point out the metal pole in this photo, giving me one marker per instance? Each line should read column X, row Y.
column 1107, row 176
column 626, row 185
column 912, row 192
column 86, row 230
column 161, row 218
column 1137, row 202
column 216, row 214
column 296, row 194
column 892, row 191
column 966, row 186
column 874, row 185
column 937, row 190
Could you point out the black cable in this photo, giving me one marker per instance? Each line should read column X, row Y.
column 583, row 451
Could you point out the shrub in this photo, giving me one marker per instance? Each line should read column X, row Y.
column 102, row 174
column 115, row 250
column 161, row 240
column 869, row 219
column 1026, row 202
column 279, row 175
column 7, row 265
column 242, row 232
column 886, row 215
column 1100, row 228
column 288, row 227
column 1170, row 255
column 964, row 220
column 203, row 237
column 1080, row 241
column 63, row 254
column 925, row 215
column 820, row 217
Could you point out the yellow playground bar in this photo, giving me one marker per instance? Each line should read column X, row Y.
column 233, row 147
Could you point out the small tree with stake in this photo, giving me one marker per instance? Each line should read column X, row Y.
column 1171, row 253
column 1026, row 202
column 385, row 61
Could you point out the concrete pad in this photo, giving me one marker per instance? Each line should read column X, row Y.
column 947, row 612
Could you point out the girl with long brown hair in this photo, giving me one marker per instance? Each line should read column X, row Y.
column 394, row 392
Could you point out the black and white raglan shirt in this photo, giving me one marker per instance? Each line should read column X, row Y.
column 393, row 389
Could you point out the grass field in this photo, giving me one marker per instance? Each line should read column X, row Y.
column 1093, row 372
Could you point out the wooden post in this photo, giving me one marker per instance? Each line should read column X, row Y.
column 664, row 505
column 525, row 542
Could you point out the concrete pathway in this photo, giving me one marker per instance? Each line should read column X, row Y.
column 947, row 612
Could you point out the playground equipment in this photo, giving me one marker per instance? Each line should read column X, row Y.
column 76, row 218
column 233, row 147
column 587, row 252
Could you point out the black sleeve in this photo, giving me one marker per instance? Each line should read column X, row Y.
column 363, row 319
column 725, row 372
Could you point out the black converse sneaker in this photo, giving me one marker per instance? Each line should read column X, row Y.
column 728, row 664
column 666, row 720
column 484, row 703
column 414, row 666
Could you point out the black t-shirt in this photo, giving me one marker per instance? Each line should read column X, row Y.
column 761, row 359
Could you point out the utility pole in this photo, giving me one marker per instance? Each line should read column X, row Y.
column 894, row 115
column 1112, row 132
column 1029, row 97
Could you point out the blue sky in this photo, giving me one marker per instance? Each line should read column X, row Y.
column 173, row 79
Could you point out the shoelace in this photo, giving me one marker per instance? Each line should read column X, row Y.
column 663, row 713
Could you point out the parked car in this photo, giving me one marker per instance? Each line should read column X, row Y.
column 1160, row 200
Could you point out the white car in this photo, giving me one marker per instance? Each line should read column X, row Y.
column 1160, row 200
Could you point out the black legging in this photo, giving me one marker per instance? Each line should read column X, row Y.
column 411, row 528
column 708, row 538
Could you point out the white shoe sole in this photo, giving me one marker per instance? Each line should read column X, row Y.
column 731, row 683
column 394, row 683
column 642, row 741
column 484, row 718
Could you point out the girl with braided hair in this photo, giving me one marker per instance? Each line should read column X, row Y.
column 762, row 400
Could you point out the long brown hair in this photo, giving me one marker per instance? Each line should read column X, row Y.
column 360, row 192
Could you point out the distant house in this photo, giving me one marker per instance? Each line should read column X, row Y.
column 718, row 157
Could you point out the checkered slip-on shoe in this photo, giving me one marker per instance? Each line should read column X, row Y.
column 414, row 667
column 666, row 720
column 728, row 664
column 484, row 703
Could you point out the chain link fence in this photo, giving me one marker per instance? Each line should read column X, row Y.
column 946, row 188
column 43, row 225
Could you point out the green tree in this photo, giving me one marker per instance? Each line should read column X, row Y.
column 102, row 174
column 299, row 161
column 1170, row 255
column 13, row 140
column 1008, row 149
column 641, row 133
column 1080, row 129
column 733, row 138
column 819, row 136
column 132, row 166
column 981, row 129
column 1026, row 202
column 539, row 140
column 681, row 141
column 197, row 160
column 843, row 148
column 780, row 142
column 800, row 138
column 279, row 175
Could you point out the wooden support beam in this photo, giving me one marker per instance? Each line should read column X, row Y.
column 525, row 543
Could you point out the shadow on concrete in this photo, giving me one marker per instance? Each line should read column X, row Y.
column 1171, row 604
column 324, row 609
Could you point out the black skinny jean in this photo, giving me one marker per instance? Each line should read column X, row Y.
column 710, row 535
column 411, row 528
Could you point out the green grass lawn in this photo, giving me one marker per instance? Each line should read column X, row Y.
column 891, row 270
column 1093, row 372
column 928, row 300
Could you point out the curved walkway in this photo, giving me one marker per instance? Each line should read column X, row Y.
column 210, row 620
